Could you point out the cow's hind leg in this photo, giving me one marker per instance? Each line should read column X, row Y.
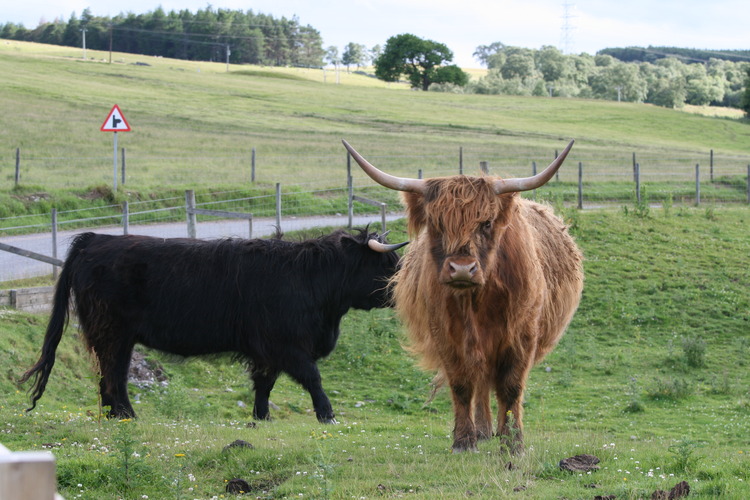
column 263, row 382
column 114, row 362
column 306, row 373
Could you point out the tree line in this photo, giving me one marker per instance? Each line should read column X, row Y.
column 652, row 54
column 206, row 35
column 661, row 76
column 667, row 81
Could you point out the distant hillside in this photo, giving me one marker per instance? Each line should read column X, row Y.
column 651, row 54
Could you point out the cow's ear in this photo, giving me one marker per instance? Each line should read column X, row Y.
column 415, row 212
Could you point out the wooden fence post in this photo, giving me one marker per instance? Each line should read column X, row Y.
column 419, row 173
column 460, row 160
column 349, row 190
column 748, row 183
column 484, row 167
column 18, row 165
column 250, row 227
column 190, row 210
column 278, row 206
column 252, row 167
column 350, row 204
column 54, row 242
column 27, row 474
column 557, row 174
column 711, row 166
column 580, row 185
column 697, row 184
column 638, row 182
column 125, row 217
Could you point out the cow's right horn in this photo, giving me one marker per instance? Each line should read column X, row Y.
column 386, row 180
column 385, row 247
column 528, row 183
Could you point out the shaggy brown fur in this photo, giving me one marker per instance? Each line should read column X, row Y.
column 520, row 283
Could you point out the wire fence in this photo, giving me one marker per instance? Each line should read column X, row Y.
column 329, row 200
column 320, row 171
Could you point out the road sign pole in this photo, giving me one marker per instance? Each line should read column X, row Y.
column 114, row 164
column 116, row 122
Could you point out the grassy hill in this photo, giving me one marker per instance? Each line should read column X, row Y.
column 652, row 378
column 196, row 123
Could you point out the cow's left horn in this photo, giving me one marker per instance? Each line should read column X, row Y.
column 528, row 183
column 387, row 180
column 385, row 247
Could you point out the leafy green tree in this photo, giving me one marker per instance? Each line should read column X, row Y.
column 552, row 63
column 745, row 100
column 701, row 88
column 354, row 53
column 519, row 63
column 374, row 52
column 422, row 61
column 310, row 51
column 667, row 85
column 72, row 35
column 484, row 53
column 332, row 55
column 618, row 80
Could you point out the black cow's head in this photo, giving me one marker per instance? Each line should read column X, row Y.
column 375, row 262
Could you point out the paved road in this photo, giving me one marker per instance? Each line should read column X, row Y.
column 16, row 267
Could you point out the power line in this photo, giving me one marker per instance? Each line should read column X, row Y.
column 567, row 28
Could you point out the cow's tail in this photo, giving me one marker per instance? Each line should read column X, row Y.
column 57, row 322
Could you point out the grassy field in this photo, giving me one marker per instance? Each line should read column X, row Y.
column 652, row 378
column 196, row 124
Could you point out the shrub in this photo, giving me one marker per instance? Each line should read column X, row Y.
column 694, row 348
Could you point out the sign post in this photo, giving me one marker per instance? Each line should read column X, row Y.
column 115, row 122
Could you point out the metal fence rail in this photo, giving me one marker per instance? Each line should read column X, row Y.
column 597, row 181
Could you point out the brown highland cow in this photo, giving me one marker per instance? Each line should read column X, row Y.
column 486, row 290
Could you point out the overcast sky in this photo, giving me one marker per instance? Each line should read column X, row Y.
column 463, row 25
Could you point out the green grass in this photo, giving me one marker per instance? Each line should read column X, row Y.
column 196, row 124
column 652, row 378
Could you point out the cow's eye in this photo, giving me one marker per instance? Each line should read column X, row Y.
column 486, row 226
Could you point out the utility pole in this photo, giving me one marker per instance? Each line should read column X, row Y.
column 110, row 43
column 228, row 52
column 83, row 31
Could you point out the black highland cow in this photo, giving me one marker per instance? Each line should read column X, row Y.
column 274, row 303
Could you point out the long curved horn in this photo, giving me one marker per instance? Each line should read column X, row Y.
column 387, row 180
column 528, row 183
column 385, row 247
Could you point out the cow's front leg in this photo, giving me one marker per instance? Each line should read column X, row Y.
column 263, row 382
column 464, row 432
column 307, row 374
column 510, row 386
column 482, row 412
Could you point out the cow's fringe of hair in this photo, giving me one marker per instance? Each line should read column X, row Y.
column 58, row 321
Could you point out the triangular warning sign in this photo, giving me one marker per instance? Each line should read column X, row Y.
column 115, row 121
